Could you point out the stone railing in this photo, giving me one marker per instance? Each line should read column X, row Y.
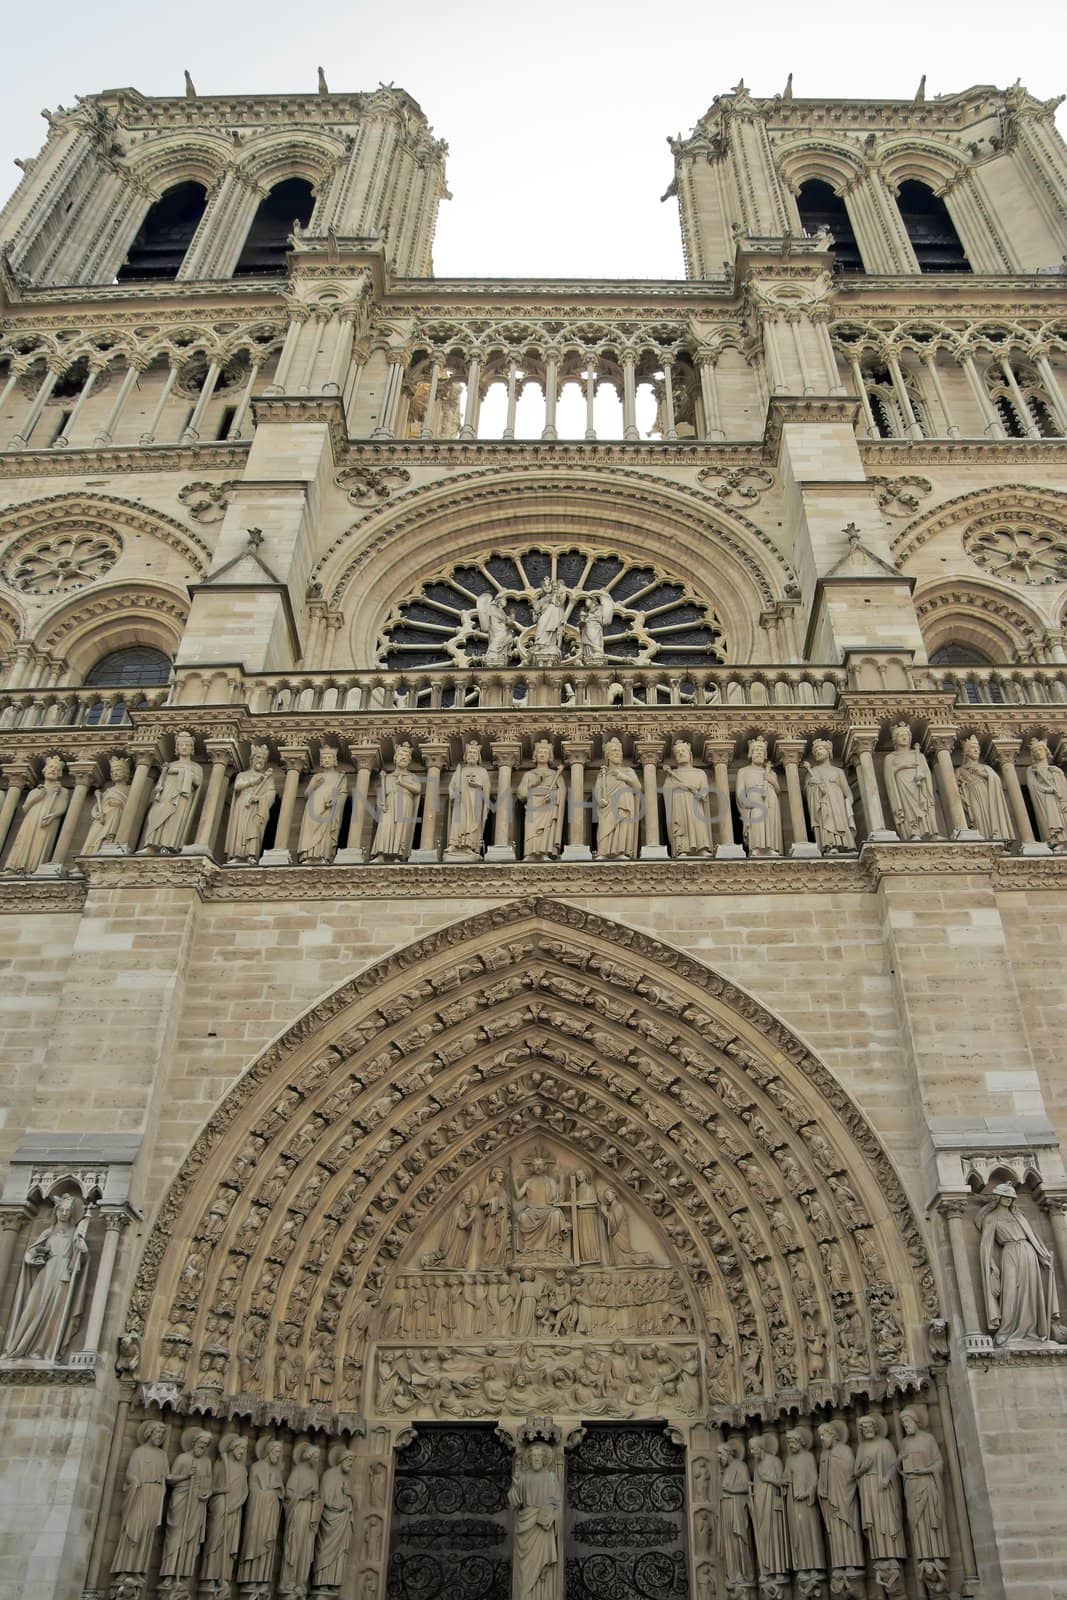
column 75, row 708
column 999, row 686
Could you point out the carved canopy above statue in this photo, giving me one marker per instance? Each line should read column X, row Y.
column 535, row 1142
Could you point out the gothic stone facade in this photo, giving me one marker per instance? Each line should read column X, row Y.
column 535, row 857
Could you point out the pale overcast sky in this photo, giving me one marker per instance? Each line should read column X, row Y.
column 556, row 114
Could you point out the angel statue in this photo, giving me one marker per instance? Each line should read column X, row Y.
column 499, row 630
column 596, row 613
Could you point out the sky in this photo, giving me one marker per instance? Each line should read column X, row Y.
column 556, row 115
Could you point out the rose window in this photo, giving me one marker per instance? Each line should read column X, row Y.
column 61, row 561
column 1018, row 554
column 548, row 608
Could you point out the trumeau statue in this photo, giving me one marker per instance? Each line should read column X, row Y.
column 735, row 1543
column 982, row 794
column 303, row 1509
column 687, row 803
column 398, row 809
column 143, row 1489
column 838, row 1497
column 617, row 793
column 229, row 1491
column 254, row 791
column 334, row 1534
column 922, row 1472
column 1018, row 1274
column 324, row 802
column 542, row 792
column 879, row 1488
column 108, row 806
column 1048, row 790
column 802, row 1503
column 170, row 816
column 910, row 788
column 536, row 1495
column 42, row 812
column 51, row 1287
column 469, row 791
column 829, row 798
column 190, row 1482
column 768, row 1507
column 757, row 801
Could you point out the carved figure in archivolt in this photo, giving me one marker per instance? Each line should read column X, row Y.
column 42, row 812
column 263, row 1514
column 334, row 1534
column 617, row 793
column 1018, row 1274
column 1048, row 790
column 802, row 1502
column 839, row 1498
column 303, row 1509
column 829, row 798
column 469, row 791
column 143, row 1489
column 922, row 1472
column 398, row 809
column 768, row 1507
column 543, row 794
column 190, row 1482
column 108, row 806
column 536, row 1495
column 735, row 1540
column 910, row 787
column 687, row 802
column 757, row 800
column 170, row 816
column 51, row 1287
column 879, row 1488
column 229, row 1491
column 982, row 794
column 323, row 804
column 254, row 791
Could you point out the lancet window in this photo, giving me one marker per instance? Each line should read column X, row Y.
column 931, row 230
column 290, row 203
column 897, row 410
column 165, row 234
column 820, row 206
column 1020, row 400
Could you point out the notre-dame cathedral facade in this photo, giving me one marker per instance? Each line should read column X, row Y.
column 534, row 869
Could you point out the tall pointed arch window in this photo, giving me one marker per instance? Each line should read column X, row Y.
column 291, row 201
column 931, row 230
column 165, row 234
column 820, row 206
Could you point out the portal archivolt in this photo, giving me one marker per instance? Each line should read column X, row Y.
column 650, row 1134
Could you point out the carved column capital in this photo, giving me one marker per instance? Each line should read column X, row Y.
column 295, row 757
column 860, row 742
column 719, row 750
column 648, row 751
column 87, row 773
column 1054, row 1204
column 1004, row 749
column 506, row 752
column 953, row 1205
column 943, row 736
column 577, row 750
column 434, row 753
column 789, row 751
column 366, row 757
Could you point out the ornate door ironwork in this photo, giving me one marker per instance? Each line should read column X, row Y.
column 451, row 1527
column 626, row 1516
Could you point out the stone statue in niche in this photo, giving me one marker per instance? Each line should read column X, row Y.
column 922, row 1472
column 735, row 1543
column 910, row 788
column 687, row 803
column 802, row 1503
column 879, row 1491
column 982, row 794
column 545, row 648
column 42, row 812
column 829, row 798
column 596, row 613
column 143, row 1489
column 543, row 794
column 757, row 801
column 50, row 1291
column 263, row 1514
column 398, row 809
column 1018, row 1275
column 838, row 1497
column 768, row 1508
column 324, row 802
column 469, row 792
column 229, row 1491
column 253, row 795
column 170, row 816
column 108, row 806
column 617, row 793
column 536, row 1496
column 190, row 1482
column 500, row 630
column 334, row 1534
column 303, row 1509
column 1048, row 790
